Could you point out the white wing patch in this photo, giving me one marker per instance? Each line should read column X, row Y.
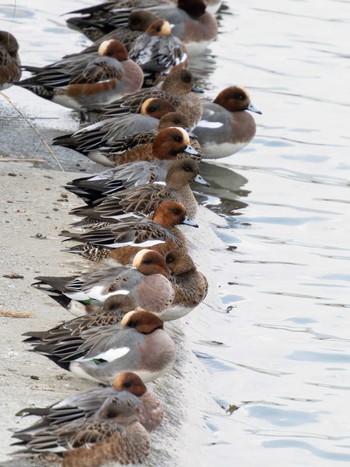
column 110, row 355
column 145, row 244
column 206, row 124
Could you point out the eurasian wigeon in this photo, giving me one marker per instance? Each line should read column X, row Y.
column 90, row 25
column 191, row 286
column 138, row 22
column 176, row 88
column 9, row 60
column 157, row 52
column 88, row 80
column 120, row 178
column 157, row 232
column 138, row 345
column 148, row 271
column 146, row 146
column 97, row 134
column 192, row 24
column 83, row 405
column 145, row 198
column 226, row 127
column 113, row 434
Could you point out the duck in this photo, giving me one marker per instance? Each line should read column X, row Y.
column 96, row 32
column 132, row 174
column 138, row 22
column 125, row 176
column 83, row 405
column 92, row 136
column 145, row 198
column 9, row 60
column 191, row 21
column 157, row 232
column 190, row 285
column 138, row 344
column 157, row 52
column 147, row 274
column 226, row 127
column 114, row 434
column 178, row 88
column 88, row 80
column 150, row 145
column 157, row 296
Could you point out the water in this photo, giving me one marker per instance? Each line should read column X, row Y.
column 280, row 345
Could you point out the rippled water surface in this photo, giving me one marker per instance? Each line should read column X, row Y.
column 280, row 343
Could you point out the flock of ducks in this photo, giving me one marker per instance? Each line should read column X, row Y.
column 142, row 117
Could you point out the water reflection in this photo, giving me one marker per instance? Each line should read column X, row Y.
column 333, row 456
column 225, row 191
column 282, row 417
column 284, row 201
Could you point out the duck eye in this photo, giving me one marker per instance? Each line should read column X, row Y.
column 239, row 96
column 152, row 109
column 169, row 259
column 112, row 412
column 188, row 168
column 177, row 138
column 147, row 261
column 132, row 324
column 176, row 211
column 127, row 384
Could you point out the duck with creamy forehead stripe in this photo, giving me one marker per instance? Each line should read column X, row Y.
column 145, row 198
column 147, row 275
column 126, row 238
column 157, row 52
column 226, row 127
column 114, row 434
column 127, row 387
column 9, row 60
column 138, row 345
column 88, row 80
column 111, row 312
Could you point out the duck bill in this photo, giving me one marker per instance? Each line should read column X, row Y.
column 253, row 109
column 188, row 221
column 199, row 179
column 198, row 89
column 190, row 150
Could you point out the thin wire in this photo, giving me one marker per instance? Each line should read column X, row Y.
column 45, row 143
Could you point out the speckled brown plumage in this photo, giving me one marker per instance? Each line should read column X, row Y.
column 9, row 59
